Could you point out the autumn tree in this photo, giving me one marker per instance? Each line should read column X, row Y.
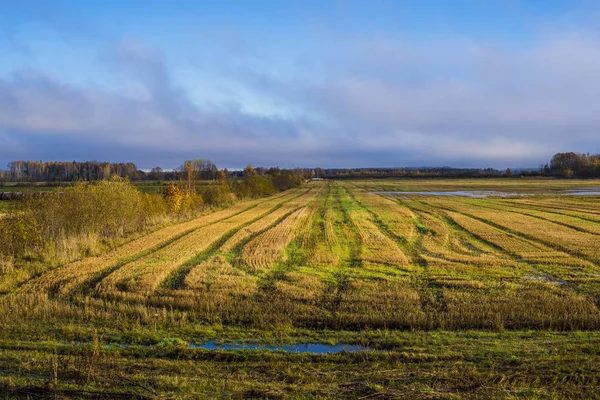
column 191, row 173
column 174, row 198
column 249, row 171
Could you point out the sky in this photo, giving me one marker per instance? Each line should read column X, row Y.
column 341, row 83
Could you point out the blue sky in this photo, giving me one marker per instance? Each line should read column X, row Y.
column 299, row 83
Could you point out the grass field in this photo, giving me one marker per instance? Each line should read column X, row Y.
column 455, row 297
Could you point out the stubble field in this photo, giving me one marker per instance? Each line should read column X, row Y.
column 453, row 297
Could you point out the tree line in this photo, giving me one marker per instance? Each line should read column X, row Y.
column 573, row 165
column 423, row 172
column 562, row 165
column 72, row 171
column 565, row 165
column 66, row 171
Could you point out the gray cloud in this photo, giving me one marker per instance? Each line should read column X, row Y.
column 160, row 118
column 375, row 102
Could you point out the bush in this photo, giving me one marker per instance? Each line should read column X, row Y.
column 84, row 213
column 218, row 195
column 253, row 186
column 181, row 203
column 154, row 207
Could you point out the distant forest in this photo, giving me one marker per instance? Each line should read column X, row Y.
column 564, row 165
column 71, row 171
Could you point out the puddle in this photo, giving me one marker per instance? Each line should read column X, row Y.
column 480, row 194
column 314, row 348
column 546, row 278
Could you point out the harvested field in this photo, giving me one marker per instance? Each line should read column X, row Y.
column 332, row 259
column 320, row 251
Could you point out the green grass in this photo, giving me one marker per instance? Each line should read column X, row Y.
column 420, row 365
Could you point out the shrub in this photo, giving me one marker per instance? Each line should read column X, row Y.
column 86, row 212
column 217, row 195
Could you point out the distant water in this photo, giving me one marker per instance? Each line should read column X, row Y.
column 458, row 193
column 582, row 193
column 483, row 193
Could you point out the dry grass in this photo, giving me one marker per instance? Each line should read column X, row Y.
column 376, row 246
column 268, row 220
column 321, row 245
column 399, row 219
column 143, row 276
column 549, row 234
column 527, row 250
column 268, row 248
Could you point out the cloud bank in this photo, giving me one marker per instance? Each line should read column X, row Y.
column 367, row 101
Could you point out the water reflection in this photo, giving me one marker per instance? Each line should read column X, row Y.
column 317, row 348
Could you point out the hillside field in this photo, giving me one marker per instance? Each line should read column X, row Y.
column 450, row 297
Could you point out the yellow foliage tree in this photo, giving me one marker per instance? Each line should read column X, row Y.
column 174, row 197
